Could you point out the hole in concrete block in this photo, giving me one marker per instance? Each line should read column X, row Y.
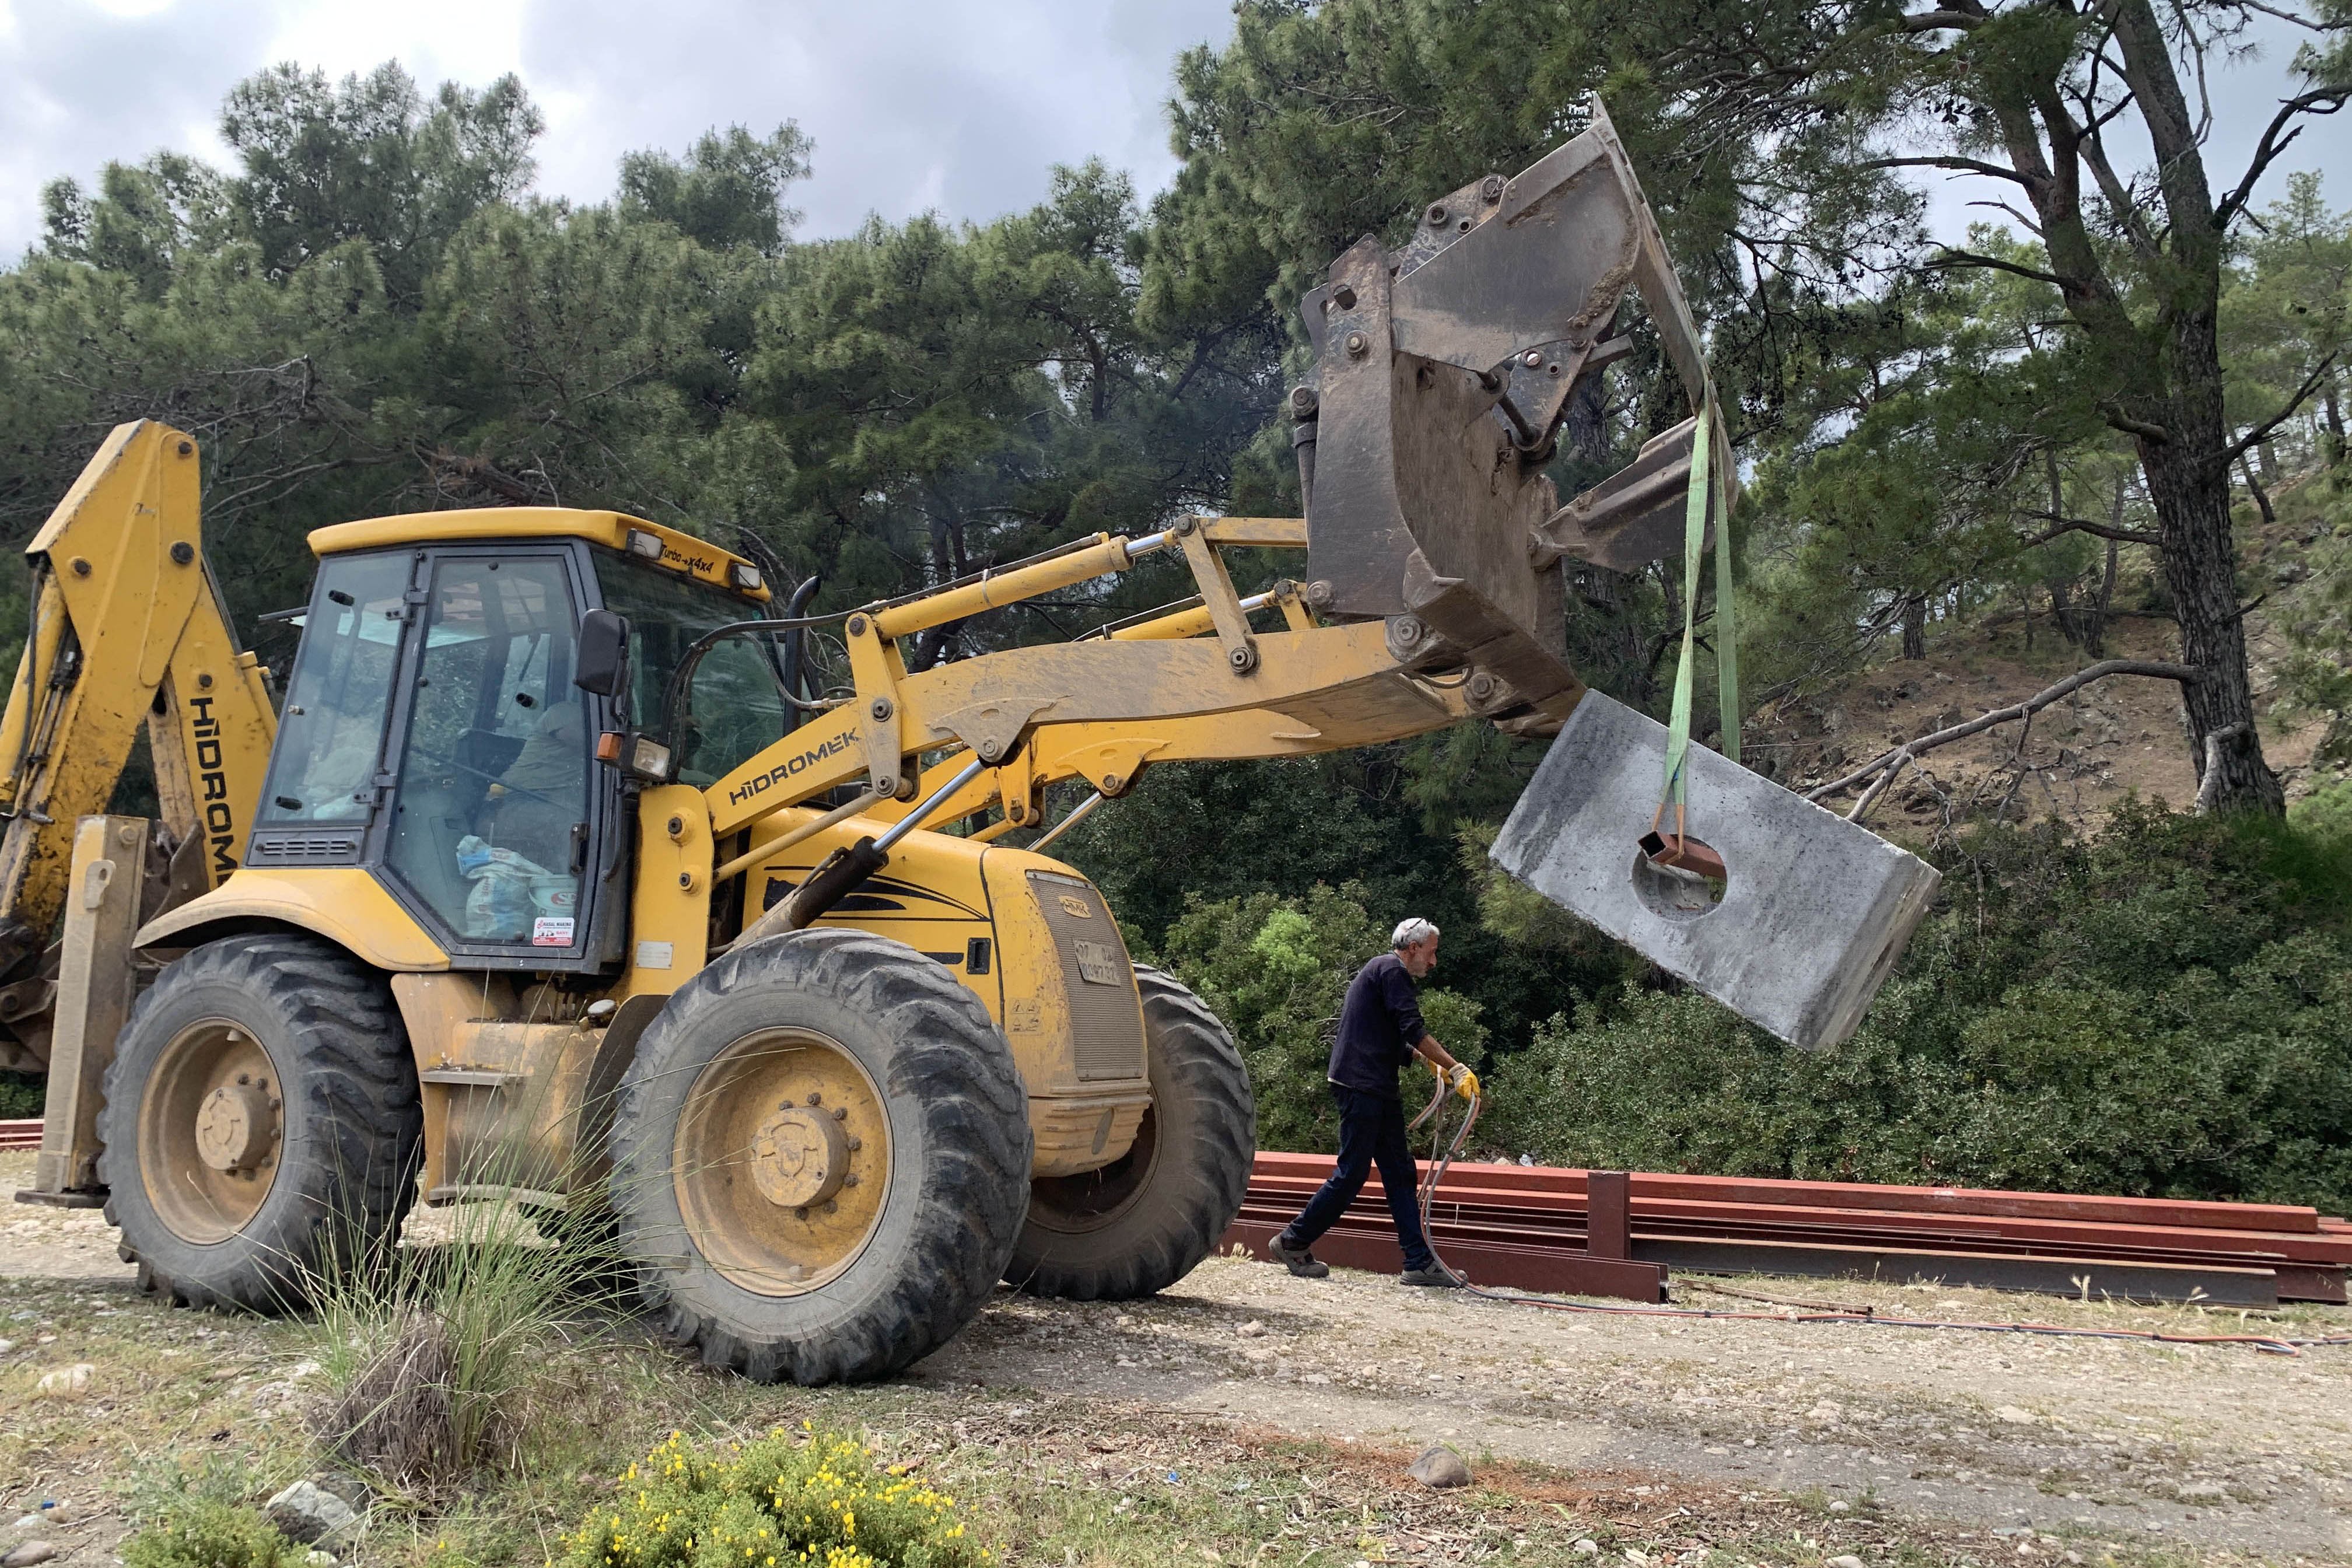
column 1680, row 879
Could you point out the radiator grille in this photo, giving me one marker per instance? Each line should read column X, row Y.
column 1106, row 1023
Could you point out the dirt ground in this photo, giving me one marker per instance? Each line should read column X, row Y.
column 1945, row 1445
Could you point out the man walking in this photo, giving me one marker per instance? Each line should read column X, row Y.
column 1379, row 1031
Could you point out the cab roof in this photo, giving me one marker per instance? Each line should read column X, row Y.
column 681, row 553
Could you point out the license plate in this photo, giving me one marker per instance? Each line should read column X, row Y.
column 1097, row 964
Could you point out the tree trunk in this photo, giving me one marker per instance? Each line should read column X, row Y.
column 2188, row 486
column 1914, row 628
column 2254, row 486
column 2094, row 626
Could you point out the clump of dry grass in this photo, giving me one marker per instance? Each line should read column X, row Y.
column 433, row 1363
column 409, row 1414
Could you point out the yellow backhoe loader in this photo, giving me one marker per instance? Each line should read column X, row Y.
column 553, row 880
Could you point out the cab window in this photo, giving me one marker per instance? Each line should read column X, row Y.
column 331, row 734
column 737, row 705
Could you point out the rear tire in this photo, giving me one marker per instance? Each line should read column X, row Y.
column 728, row 1159
column 1144, row 1221
column 285, row 1056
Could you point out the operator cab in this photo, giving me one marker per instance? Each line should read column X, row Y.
column 431, row 732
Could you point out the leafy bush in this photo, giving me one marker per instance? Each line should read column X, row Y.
column 201, row 1532
column 1275, row 969
column 21, row 1094
column 772, row 1503
column 2165, row 1010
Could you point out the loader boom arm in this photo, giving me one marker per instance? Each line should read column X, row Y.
column 127, row 625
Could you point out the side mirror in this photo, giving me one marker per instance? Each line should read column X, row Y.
column 603, row 657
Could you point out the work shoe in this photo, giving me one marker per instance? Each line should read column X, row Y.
column 1297, row 1259
column 1434, row 1276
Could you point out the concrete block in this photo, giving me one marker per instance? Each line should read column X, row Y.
column 1813, row 913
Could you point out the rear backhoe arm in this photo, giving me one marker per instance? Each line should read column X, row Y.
column 126, row 626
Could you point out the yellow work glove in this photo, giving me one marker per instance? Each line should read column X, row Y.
column 1464, row 1081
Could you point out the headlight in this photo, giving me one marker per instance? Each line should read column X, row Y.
column 650, row 759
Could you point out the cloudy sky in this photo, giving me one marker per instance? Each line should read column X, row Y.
column 951, row 105
column 914, row 104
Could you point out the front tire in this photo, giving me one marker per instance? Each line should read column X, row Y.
column 1144, row 1221
column 820, row 1158
column 261, row 1124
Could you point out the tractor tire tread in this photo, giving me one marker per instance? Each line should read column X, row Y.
column 976, row 1115
column 351, row 1066
column 1198, row 1193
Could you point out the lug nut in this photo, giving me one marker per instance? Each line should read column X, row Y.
column 1302, row 402
column 815, row 1099
column 1492, row 190
column 850, row 1180
column 1531, row 359
column 882, row 708
column 857, row 1144
column 1359, row 345
column 841, row 1113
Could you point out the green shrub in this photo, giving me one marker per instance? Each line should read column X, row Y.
column 21, row 1095
column 773, row 1503
column 1275, row 969
column 200, row 1532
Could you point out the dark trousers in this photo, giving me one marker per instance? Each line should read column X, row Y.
column 1372, row 1132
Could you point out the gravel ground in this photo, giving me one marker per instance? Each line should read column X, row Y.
column 2023, row 1445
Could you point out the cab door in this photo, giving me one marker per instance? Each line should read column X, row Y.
column 493, row 825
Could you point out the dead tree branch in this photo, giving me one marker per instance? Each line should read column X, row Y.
column 1890, row 761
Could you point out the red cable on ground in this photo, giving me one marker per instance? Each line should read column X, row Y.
column 1444, row 1152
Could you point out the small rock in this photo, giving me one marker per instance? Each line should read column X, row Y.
column 1587, row 1548
column 1840, row 1506
column 1845, row 1559
column 25, row 1556
column 60, row 1513
column 308, row 1512
column 1827, row 1410
column 1439, row 1467
column 2204, row 1491
column 7, row 1345
column 67, row 1383
column 1251, row 1330
column 1259, row 1352
column 2014, row 1416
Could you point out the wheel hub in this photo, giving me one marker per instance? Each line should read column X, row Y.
column 237, row 1126
column 781, row 1161
column 211, row 1130
column 801, row 1155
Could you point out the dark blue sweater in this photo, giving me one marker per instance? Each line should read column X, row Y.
column 1378, row 1025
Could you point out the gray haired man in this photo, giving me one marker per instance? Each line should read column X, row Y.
column 1379, row 1031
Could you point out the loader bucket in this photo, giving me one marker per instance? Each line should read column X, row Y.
column 1441, row 372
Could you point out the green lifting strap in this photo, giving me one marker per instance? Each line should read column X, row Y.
column 1704, row 489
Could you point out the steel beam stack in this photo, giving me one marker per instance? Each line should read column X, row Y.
column 1528, row 1226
